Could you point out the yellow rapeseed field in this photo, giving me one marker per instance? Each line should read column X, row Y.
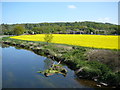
column 96, row 41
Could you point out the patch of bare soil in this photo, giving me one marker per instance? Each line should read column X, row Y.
column 64, row 47
column 109, row 57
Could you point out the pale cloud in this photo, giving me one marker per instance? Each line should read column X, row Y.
column 104, row 20
column 72, row 6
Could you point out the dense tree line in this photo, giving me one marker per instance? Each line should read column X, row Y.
column 66, row 27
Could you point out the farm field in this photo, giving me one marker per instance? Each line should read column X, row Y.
column 95, row 41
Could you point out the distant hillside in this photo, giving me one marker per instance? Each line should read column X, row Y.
column 64, row 27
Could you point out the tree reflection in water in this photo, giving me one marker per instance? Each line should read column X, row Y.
column 4, row 46
column 48, row 63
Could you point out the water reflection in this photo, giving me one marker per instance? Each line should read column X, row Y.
column 20, row 71
column 48, row 63
column 5, row 46
column 86, row 82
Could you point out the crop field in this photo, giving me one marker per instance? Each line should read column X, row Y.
column 95, row 41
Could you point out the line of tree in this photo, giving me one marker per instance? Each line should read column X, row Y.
column 62, row 27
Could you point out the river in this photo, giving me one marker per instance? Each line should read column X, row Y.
column 20, row 66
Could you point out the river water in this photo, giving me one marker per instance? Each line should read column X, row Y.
column 19, row 70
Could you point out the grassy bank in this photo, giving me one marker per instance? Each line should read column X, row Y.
column 84, row 61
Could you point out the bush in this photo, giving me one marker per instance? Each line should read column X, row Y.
column 90, row 73
column 48, row 38
column 97, row 65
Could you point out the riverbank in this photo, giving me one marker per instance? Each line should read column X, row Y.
column 79, row 59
